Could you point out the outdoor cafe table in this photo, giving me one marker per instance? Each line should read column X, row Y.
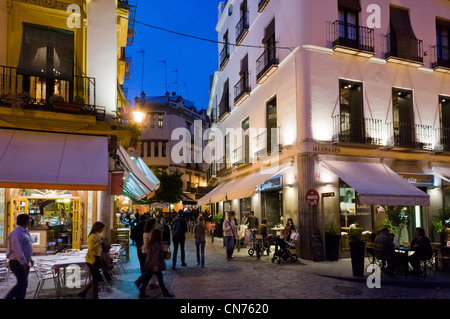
column 406, row 251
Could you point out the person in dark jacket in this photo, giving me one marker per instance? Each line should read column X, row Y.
column 179, row 228
column 137, row 235
column 422, row 250
column 165, row 230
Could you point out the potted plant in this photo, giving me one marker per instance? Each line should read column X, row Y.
column 332, row 242
column 443, row 215
column 438, row 229
column 357, row 250
column 218, row 220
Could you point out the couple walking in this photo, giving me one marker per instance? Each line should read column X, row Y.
column 179, row 228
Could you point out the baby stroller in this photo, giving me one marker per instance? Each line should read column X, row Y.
column 286, row 249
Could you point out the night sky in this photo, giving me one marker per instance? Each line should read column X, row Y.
column 190, row 62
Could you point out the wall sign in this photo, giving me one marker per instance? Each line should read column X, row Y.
column 272, row 183
column 418, row 179
column 312, row 197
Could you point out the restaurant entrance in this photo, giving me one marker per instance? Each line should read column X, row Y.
column 55, row 217
column 272, row 209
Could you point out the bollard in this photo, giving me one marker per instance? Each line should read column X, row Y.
column 212, row 236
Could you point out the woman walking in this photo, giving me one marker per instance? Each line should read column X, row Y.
column 93, row 259
column 154, row 265
column 229, row 234
column 199, row 234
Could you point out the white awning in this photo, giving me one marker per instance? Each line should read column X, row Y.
column 241, row 187
column 30, row 159
column 443, row 172
column 247, row 186
column 140, row 182
column 377, row 184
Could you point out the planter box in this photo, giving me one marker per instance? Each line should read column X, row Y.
column 332, row 247
column 357, row 252
column 67, row 107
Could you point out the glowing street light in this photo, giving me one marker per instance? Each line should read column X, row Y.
column 138, row 116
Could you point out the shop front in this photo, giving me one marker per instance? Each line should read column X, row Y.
column 368, row 192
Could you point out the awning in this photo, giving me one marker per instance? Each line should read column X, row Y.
column 246, row 187
column 377, row 184
column 443, row 172
column 241, row 187
column 186, row 200
column 141, row 182
column 30, row 159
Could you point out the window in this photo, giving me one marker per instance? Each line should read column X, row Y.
column 155, row 149
column 271, row 124
column 444, row 112
column 149, row 144
column 160, row 120
column 443, row 42
column 351, row 112
column 47, row 61
column 163, row 149
column 348, row 13
column 353, row 213
column 246, row 140
column 403, row 117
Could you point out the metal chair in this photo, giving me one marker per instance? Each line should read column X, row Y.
column 4, row 270
column 45, row 272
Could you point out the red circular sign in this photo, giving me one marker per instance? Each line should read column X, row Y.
column 312, row 197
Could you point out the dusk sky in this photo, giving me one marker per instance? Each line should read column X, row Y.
column 190, row 62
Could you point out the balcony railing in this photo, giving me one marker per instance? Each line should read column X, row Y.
column 442, row 135
column 242, row 28
column 262, row 5
column 241, row 90
column 348, row 129
column 240, row 156
column 352, row 36
column 224, row 165
column 224, row 57
column 410, row 135
column 77, row 95
column 123, row 4
column 266, row 64
column 265, row 145
column 441, row 57
column 404, row 48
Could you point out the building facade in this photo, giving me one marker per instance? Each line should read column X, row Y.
column 170, row 129
column 346, row 98
column 62, row 138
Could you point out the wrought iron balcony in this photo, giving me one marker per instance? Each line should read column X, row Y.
column 353, row 39
column 223, row 166
column 410, row 135
column 348, row 129
column 442, row 138
column 241, row 156
column 266, row 64
column 241, row 90
column 262, row 5
column 266, row 144
column 441, row 58
column 242, row 28
column 76, row 95
column 404, row 50
column 224, row 57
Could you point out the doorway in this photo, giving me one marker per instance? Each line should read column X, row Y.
column 272, row 209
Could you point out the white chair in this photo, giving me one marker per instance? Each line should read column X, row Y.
column 45, row 272
column 116, row 255
column 4, row 271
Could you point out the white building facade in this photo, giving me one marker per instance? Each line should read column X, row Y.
column 336, row 82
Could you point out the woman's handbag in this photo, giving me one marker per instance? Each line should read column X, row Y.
column 167, row 254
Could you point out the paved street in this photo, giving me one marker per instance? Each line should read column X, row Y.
column 247, row 278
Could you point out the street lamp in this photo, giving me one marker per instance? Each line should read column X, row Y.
column 138, row 116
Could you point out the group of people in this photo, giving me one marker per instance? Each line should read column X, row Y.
column 420, row 245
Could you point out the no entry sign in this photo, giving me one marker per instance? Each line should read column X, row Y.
column 312, row 197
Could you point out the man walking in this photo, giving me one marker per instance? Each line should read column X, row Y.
column 19, row 252
column 179, row 228
column 138, row 236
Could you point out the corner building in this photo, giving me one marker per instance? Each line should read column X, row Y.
column 353, row 103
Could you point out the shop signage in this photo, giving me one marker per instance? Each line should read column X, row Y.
column 272, row 183
column 312, row 197
column 418, row 179
column 330, row 194
column 117, row 183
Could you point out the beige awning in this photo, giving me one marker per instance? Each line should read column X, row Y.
column 30, row 159
column 377, row 184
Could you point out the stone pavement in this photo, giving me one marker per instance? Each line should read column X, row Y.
column 247, row 278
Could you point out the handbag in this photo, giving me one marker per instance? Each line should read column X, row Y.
column 168, row 254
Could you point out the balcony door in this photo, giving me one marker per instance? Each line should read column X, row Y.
column 46, row 62
column 444, row 112
column 443, row 42
column 351, row 112
column 403, row 117
column 271, row 125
